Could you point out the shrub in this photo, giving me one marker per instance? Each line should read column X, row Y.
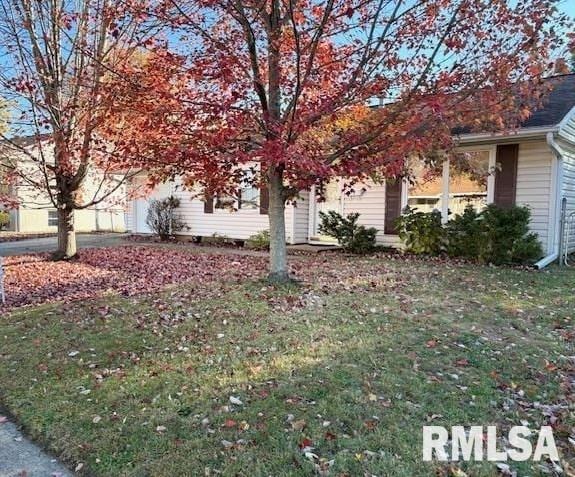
column 259, row 241
column 162, row 218
column 463, row 234
column 506, row 238
column 421, row 232
column 495, row 235
column 4, row 219
column 352, row 237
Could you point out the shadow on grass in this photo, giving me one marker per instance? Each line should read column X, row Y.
column 144, row 389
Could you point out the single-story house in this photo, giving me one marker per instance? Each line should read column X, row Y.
column 533, row 165
column 36, row 214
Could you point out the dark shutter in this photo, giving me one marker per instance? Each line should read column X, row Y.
column 209, row 204
column 506, row 175
column 392, row 204
column 239, row 199
column 264, row 200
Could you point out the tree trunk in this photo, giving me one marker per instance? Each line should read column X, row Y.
column 66, row 235
column 276, row 214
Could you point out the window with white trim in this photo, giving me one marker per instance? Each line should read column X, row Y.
column 52, row 218
column 468, row 174
column 449, row 187
column 249, row 197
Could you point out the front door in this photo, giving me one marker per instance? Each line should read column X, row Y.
column 333, row 201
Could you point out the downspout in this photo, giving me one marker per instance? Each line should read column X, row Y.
column 554, row 255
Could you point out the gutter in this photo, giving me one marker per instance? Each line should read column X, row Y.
column 522, row 133
column 554, row 255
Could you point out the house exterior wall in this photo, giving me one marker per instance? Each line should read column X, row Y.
column 32, row 215
column 300, row 211
column 88, row 220
column 535, row 184
column 371, row 207
column 239, row 224
column 34, row 206
column 535, row 188
column 568, row 192
column 567, row 133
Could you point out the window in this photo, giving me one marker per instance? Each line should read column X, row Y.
column 249, row 197
column 52, row 218
column 465, row 179
column 468, row 174
column 227, row 202
column 425, row 194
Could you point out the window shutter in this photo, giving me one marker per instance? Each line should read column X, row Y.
column 506, row 175
column 392, row 204
column 264, row 200
column 209, row 204
column 239, row 199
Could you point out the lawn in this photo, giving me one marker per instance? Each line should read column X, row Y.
column 224, row 375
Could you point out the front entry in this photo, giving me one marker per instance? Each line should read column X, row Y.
column 333, row 201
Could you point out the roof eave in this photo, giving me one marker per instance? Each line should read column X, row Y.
column 539, row 132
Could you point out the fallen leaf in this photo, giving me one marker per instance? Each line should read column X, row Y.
column 298, row 425
column 235, row 400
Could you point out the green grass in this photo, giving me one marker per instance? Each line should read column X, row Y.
column 355, row 370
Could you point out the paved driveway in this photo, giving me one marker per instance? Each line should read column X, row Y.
column 48, row 244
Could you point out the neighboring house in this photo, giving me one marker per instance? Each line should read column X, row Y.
column 533, row 165
column 36, row 214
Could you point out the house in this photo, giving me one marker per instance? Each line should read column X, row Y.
column 533, row 165
column 36, row 213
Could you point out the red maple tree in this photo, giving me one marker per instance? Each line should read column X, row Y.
column 271, row 82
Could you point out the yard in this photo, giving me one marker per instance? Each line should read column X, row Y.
column 145, row 361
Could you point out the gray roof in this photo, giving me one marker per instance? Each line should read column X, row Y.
column 557, row 104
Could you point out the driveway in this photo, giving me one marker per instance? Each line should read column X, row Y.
column 48, row 244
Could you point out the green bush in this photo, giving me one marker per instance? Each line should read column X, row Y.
column 495, row 235
column 259, row 241
column 352, row 237
column 4, row 219
column 421, row 232
column 463, row 234
column 506, row 238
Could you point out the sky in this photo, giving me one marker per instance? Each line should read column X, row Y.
column 568, row 7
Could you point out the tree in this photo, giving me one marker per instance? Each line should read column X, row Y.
column 63, row 69
column 270, row 77
column 6, row 199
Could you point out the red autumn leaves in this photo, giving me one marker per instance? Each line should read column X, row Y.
column 34, row 279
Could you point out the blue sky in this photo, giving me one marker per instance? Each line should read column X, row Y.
column 568, row 7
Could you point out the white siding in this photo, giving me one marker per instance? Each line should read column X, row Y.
column 240, row 224
column 371, row 207
column 567, row 132
column 534, row 187
column 108, row 215
column 300, row 212
column 568, row 191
